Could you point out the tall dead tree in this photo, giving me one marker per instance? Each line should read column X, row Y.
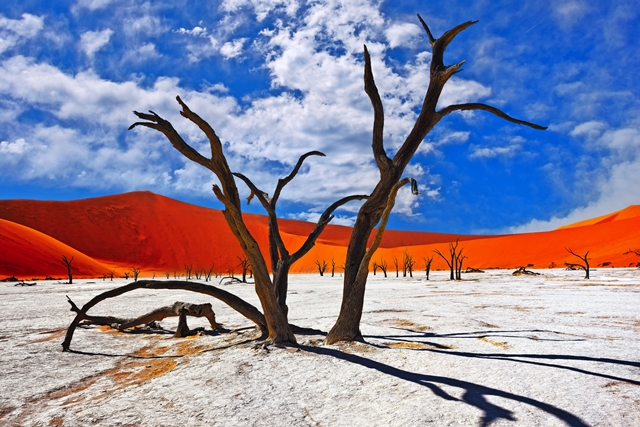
column 584, row 266
column 347, row 326
column 277, row 324
column 68, row 262
column 281, row 259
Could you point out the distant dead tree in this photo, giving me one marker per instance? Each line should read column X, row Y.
column 125, row 275
column 136, row 273
column 333, row 267
column 585, row 262
column 407, row 263
column 188, row 268
column 522, row 271
column 382, row 265
column 208, row 274
column 459, row 260
column 552, row 265
column 453, row 252
column 68, row 262
column 427, row 265
column 245, row 265
column 321, row 266
column 396, row 264
column 168, row 275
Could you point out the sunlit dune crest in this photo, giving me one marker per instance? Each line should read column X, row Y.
column 632, row 211
column 161, row 235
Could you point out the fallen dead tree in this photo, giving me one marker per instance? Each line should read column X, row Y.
column 238, row 304
column 182, row 309
column 523, row 271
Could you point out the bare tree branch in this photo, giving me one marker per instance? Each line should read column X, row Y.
column 477, row 106
column 284, row 181
column 382, row 160
column 323, row 221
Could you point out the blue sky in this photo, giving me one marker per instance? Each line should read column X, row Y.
column 277, row 78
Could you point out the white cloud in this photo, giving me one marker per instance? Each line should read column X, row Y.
column 592, row 129
column 616, row 186
column 195, row 31
column 20, row 146
column 232, row 49
column 402, row 34
column 12, row 31
column 92, row 41
column 92, row 4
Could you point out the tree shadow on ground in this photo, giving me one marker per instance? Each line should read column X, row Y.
column 474, row 394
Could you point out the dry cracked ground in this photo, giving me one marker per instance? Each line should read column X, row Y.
column 493, row 349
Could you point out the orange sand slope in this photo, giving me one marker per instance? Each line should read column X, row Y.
column 161, row 235
column 27, row 253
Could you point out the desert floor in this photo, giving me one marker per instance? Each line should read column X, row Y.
column 493, row 349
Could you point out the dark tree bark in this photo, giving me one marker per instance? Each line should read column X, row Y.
column 584, row 259
column 238, row 304
column 68, row 262
column 347, row 326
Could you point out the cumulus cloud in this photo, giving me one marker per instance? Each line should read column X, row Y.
column 232, row 49
column 20, row 146
column 92, row 41
column 12, row 31
column 402, row 34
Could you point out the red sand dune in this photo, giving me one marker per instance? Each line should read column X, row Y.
column 161, row 235
column 27, row 253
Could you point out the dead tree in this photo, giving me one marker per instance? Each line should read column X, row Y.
column 125, row 275
column 427, row 265
column 281, row 259
column 227, row 193
column 111, row 274
column 178, row 308
column 333, row 267
column 208, row 274
column 522, row 271
column 244, row 265
column 322, row 267
column 347, row 326
column 397, row 265
column 136, row 273
column 188, row 268
column 451, row 263
column 382, row 265
column 68, row 262
column 238, row 304
column 408, row 263
column 459, row 260
column 584, row 266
